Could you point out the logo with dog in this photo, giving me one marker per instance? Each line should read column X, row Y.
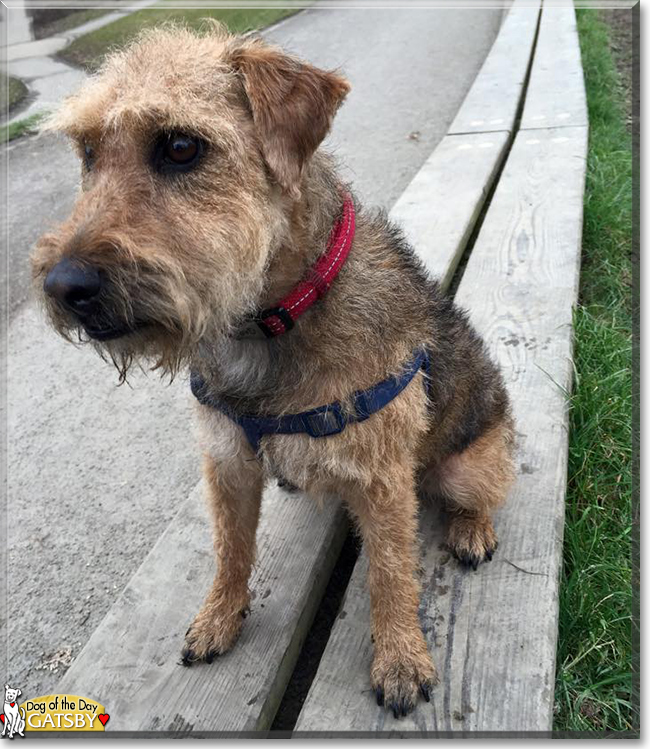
column 13, row 717
column 54, row 712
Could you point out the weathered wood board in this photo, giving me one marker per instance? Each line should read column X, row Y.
column 492, row 633
column 439, row 209
column 131, row 662
column 556, row 90
column 492, row 102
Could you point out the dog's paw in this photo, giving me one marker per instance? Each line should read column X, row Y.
column 472, row 541
column 398, row 681
column 211, row 635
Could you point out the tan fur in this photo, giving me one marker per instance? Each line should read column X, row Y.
column 292, row 105
column 235, row 508
column 186, row 260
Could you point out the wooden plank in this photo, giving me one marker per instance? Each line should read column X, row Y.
column 494, row 98
column 492, row 633
column 439, row 208
column 556, row 90
column 132, row 658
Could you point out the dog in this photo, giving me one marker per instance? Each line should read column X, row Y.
column 14, row 714
column 213, row 235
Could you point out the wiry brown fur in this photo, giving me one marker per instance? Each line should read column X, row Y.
column 187, row 259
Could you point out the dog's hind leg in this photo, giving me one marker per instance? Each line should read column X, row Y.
column 234, row 495
column 474, row 483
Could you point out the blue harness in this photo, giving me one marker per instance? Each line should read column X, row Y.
column 323, row 421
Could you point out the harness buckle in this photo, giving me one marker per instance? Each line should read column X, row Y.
column 282, row 315
column 325, row 423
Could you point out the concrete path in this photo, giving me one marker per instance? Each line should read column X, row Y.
column 48, row 79
column 96, row 472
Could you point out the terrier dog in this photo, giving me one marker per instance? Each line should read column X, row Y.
column 208, row 224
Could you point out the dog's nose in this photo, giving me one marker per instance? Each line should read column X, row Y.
column 73, row 284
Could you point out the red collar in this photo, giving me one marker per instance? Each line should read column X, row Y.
column 279, row 319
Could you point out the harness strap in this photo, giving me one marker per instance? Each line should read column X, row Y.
column 323, row 421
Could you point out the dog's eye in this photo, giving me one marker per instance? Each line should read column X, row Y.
column 177, row 152
column 181, row 150
column 89, row 156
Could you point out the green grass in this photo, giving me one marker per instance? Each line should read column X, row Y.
column 70, row 21
column 22, row 127
column 12, row 91
column 88, row 51
column 594, row 674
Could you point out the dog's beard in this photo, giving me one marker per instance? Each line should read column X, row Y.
column 150, row 324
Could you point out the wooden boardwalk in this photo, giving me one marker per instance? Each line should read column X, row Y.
column 492, row 632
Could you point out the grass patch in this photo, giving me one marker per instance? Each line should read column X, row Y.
column 69, row 21
column 12, row 91
column 594, row 667
column 22, row 127
column 89, row 50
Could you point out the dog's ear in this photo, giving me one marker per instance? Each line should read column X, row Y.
column 18, row 692
column 293, row 105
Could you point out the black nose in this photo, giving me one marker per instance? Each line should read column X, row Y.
column 73, row 284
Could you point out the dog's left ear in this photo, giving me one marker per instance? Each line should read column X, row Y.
column 293, row 105
column 19, row 692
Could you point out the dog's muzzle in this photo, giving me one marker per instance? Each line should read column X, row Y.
column 77, row 288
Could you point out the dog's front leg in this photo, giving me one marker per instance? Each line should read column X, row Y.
column 234, row 493
column 387, row 516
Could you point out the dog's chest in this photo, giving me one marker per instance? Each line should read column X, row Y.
column 243, row 366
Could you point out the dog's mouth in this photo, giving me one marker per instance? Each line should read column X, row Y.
column 109, row 333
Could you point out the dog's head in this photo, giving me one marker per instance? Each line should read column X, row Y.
column 193, row 148
column 11, row 695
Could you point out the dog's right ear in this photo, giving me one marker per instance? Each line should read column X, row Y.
column 292, row 103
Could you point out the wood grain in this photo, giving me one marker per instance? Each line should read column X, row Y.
column 493, row 632
column 492, row 102
column 439, row 208
column 131, row 660
column 556, row 90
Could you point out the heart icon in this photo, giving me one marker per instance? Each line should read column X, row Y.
column 12, row 704
column 2, row 717
column 104, row 718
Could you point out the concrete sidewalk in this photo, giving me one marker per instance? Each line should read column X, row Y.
column 48, row 79
column 95, row 472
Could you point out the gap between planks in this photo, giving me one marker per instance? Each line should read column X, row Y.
column 492, row 633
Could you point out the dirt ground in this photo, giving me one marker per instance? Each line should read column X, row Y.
column 622, row 31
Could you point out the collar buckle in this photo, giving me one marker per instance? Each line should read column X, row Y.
column 283, row 318
column 325, row 422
